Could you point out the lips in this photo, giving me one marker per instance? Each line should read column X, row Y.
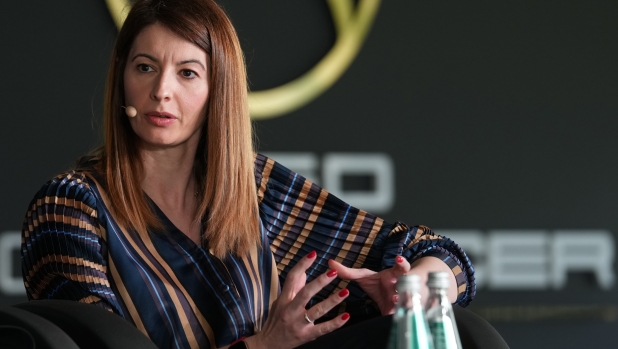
column 160, row 119
column 161, row 115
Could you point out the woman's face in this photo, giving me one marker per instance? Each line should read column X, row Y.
column 166, row 79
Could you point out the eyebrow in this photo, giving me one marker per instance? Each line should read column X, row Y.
column 192, row 61
column 179, row 63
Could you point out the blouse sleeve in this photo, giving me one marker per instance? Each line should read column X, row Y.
column 300, row 217
column 62, row 245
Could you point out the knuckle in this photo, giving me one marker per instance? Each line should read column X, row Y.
column 303, row 293
column 298, row 336
column 286, row 316
column 292, row 276
column 327, row 328
column 330, row 303
column 300, row 266
column 335, row 299
column 319, row 310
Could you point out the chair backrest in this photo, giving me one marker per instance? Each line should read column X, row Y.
column 24, row 330
column 89, row 326
column 475, row 332
column 56, row 324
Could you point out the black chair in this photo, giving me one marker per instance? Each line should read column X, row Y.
column 475, row 332
column 57, row 324
column 21, row 329
column 88, row 326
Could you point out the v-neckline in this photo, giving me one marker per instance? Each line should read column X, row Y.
column 171, row 230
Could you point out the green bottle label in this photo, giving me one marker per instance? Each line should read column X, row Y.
column 443, row 334
column 409, row 331
column 420, row 333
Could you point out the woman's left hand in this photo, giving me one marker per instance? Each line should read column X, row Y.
column 380, row 286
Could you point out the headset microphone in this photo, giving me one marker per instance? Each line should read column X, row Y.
column 130, row 111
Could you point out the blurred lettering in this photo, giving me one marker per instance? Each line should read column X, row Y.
column 588, row 251
column 10, row 285
column 536, row 259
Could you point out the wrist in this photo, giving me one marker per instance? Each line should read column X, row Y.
column 239, row 344
column 252, row 342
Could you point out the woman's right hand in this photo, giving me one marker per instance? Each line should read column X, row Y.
column 288, row 323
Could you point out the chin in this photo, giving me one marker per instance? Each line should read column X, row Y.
column 163, row 139
column 158, row 138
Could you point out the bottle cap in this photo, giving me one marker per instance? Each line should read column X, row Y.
column 438, row 279
column 409, row 283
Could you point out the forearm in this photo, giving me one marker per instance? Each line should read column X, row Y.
column 425, row 265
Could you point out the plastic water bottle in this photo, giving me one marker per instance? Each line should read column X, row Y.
column 409, row 329
column 440, row 315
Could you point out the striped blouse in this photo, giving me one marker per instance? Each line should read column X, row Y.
column 177, row 292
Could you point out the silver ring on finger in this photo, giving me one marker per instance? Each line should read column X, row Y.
column 307, row 318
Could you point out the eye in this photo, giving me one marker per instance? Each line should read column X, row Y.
column 189, row 74
column 144, row 68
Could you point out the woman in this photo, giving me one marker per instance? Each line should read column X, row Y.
column 177, row 226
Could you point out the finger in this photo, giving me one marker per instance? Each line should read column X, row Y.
column 401, row 266
column 331, row 325
column 305, row 294
column 296, row 278
column 349, row 273
column 320, row 309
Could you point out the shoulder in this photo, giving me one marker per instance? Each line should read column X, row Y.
column 267, row 169
column 269, row 176
column 261, row 162
column 77, row 184
column 67, row 203
column 68, row 183
column 280, row 183
column 72, row 188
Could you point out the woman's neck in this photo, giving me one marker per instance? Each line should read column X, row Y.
column 170, row 183
column 168, row 177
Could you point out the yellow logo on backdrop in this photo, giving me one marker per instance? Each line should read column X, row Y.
column 352, row 24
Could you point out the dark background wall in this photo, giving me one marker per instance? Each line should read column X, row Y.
column 495, row 115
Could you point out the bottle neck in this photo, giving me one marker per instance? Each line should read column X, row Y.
column 409, row 300
column 442, row 292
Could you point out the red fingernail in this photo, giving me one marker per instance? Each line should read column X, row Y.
column 399, row 259
column 344, row 292
column 345, row 316
column 331, row 273
column 311, row 254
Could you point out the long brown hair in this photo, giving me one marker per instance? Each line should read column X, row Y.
column 223, row 167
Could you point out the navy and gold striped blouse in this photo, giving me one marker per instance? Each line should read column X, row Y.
column 178, row 293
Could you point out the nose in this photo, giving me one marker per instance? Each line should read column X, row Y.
column 161, row 89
